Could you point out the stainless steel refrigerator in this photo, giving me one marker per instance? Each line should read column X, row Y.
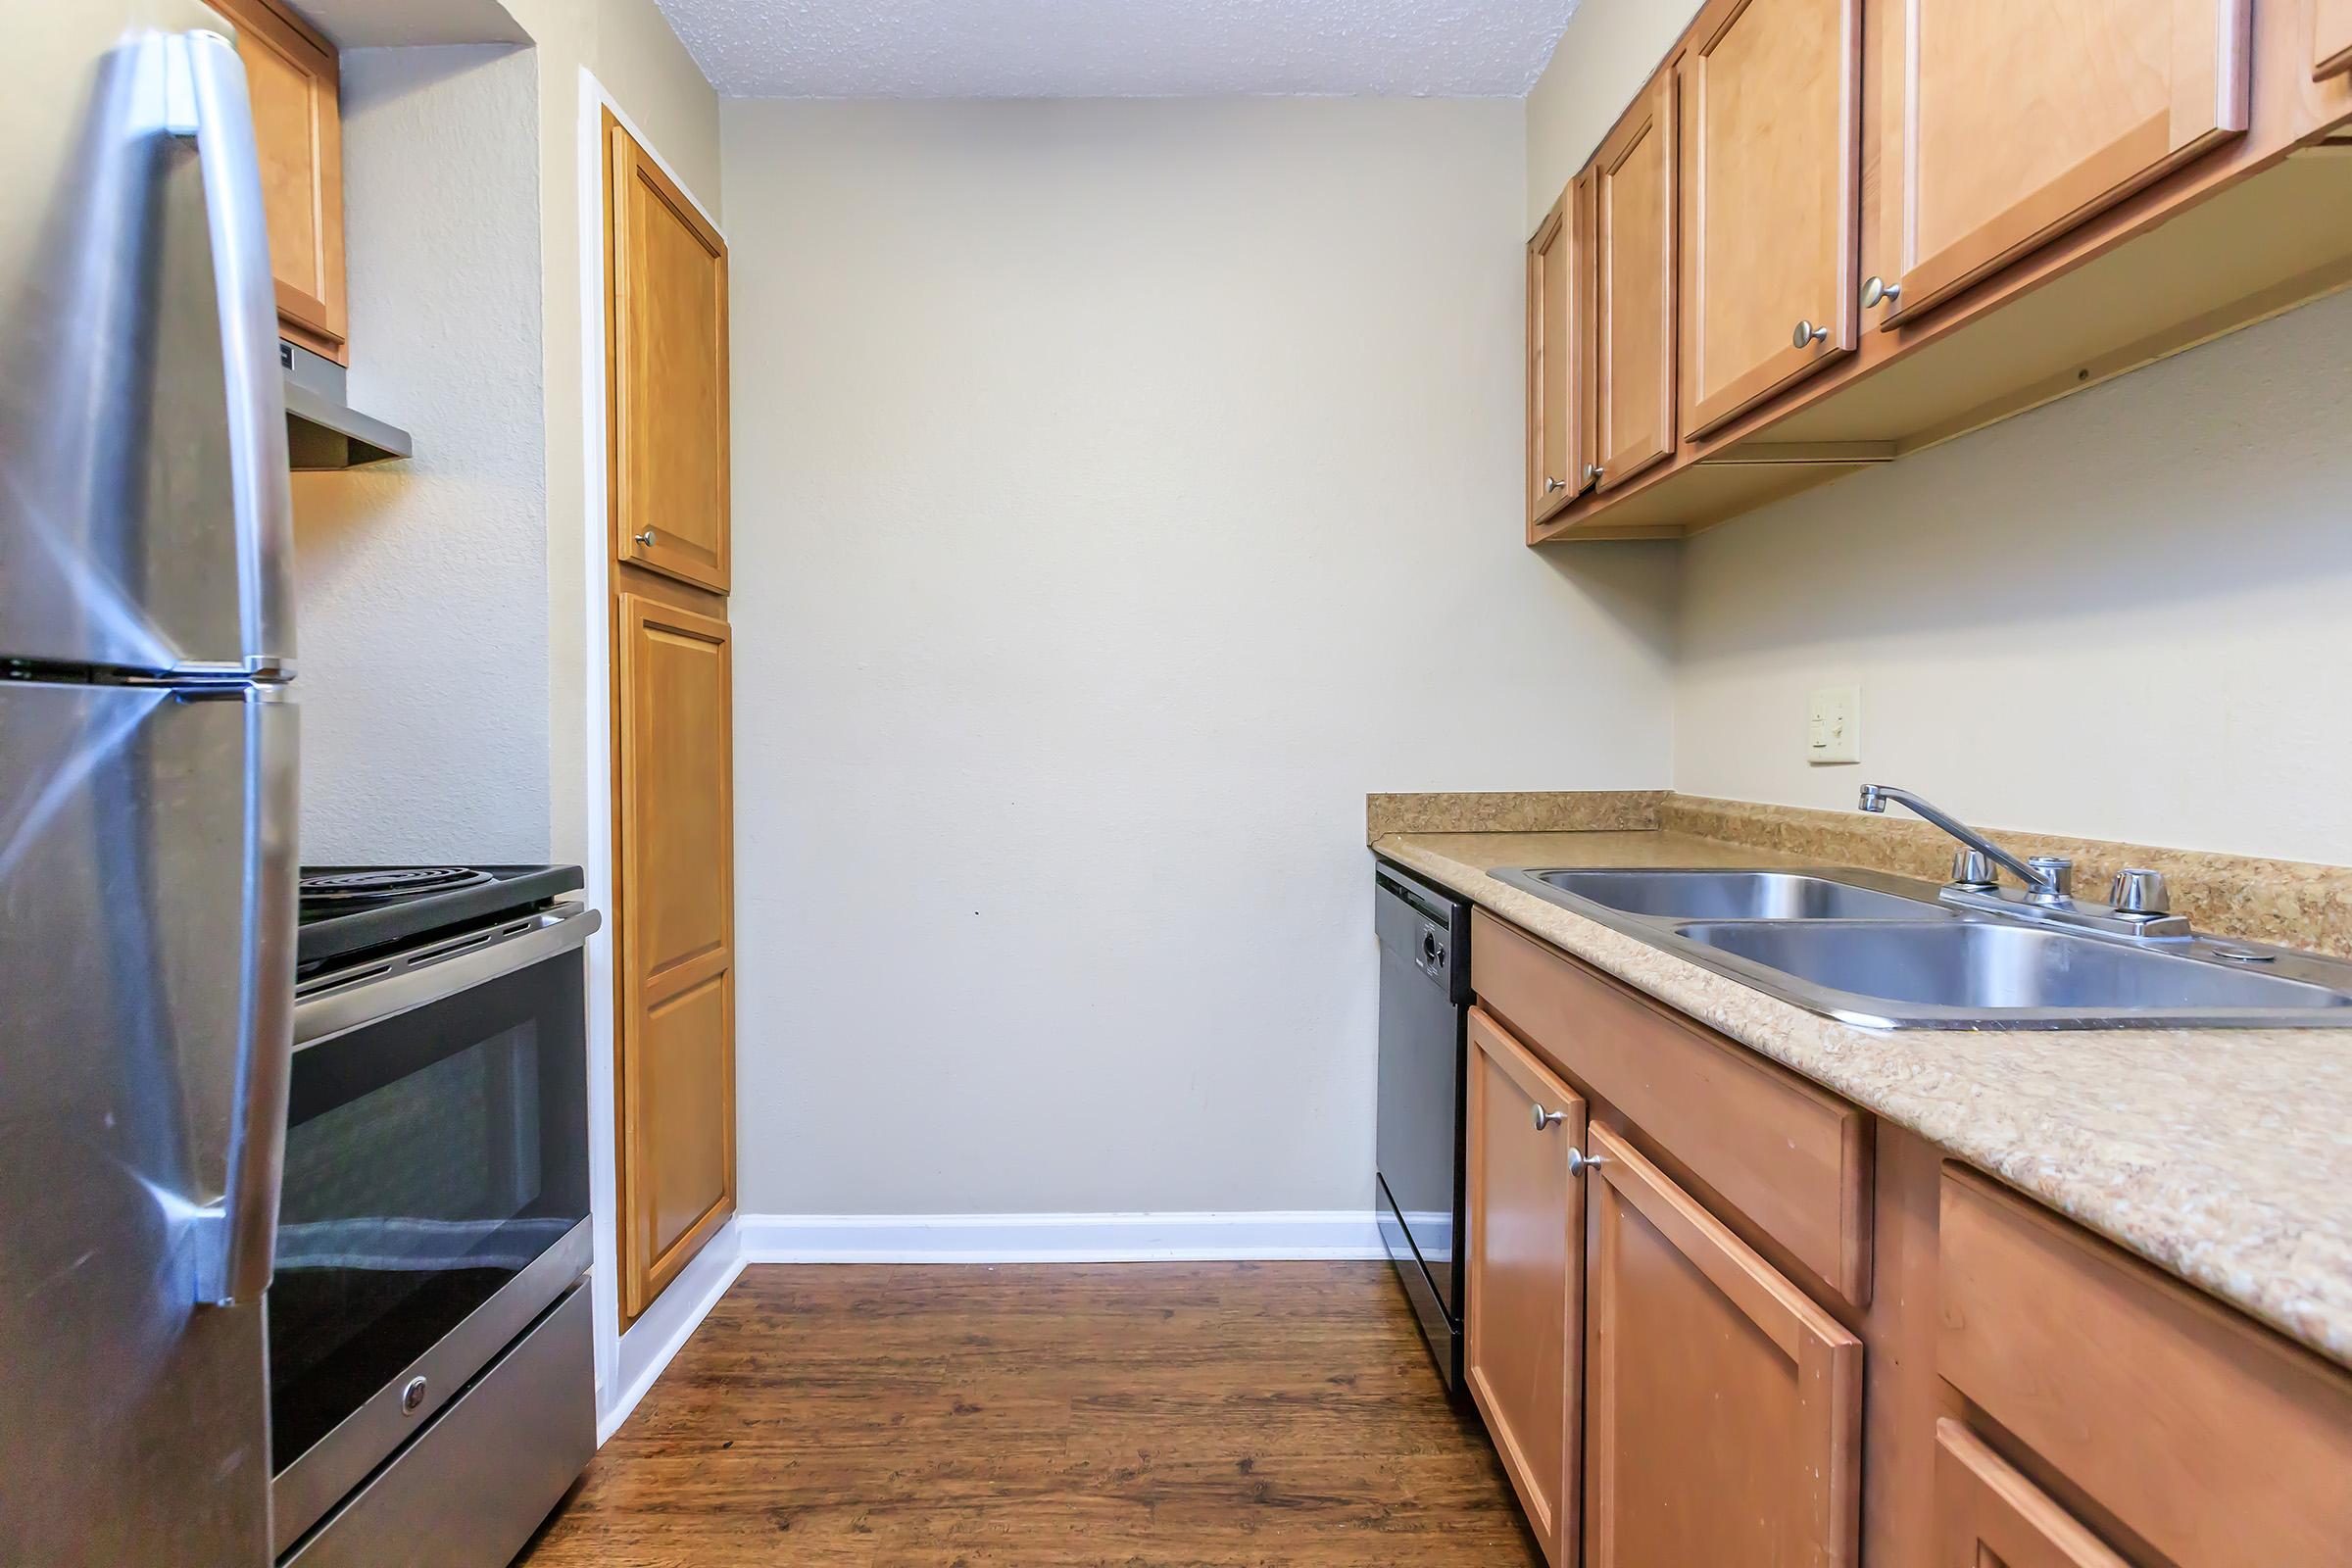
column 147, row 805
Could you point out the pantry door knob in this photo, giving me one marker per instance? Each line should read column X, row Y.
column 1547, row 1119
column 645, row 538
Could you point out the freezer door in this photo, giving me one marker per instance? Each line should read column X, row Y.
column 146, row 962
column 144, row 512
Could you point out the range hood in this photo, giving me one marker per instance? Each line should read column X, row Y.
column 323, row 429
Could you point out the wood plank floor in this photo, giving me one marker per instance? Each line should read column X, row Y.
column 1196, row 1413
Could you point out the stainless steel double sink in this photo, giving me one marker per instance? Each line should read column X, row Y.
column 1884, row 953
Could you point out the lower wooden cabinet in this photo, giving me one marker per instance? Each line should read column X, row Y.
column 1678, row 1266
column 676, row 893
column 2210, row 1440
column 1987, row 1512
column 1525, row 1274
column 1723, row 1407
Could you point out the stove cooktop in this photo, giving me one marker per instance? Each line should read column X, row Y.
column 350, row 909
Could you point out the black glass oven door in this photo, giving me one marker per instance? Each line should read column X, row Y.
column 435, row 1197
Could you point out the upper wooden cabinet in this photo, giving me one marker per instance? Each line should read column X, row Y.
column 296, row 85
column 668, row 375
column 1874, row 225
column 1525, row 1266
column 676, row 940
column 2331, row 42
column 1723, row 1407
column 1634, row 287
column 1771, row 150
column 1559, row 420
column 2014, row 120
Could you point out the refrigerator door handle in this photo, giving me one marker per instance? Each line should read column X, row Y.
column 208, row 102
column 239, row 1268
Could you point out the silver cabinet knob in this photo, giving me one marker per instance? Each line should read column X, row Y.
column 1580, row 1162
column 1972, row 868
column 645, row 538
column 1878, row 291
column 2137, row 890
column 1593, row 472
column 412, row 1398
column 1545, row 1121
column 1807, row 333
column 1553, row 486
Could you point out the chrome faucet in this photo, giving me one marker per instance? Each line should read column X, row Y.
column 2045, row 876
column 2139, row 907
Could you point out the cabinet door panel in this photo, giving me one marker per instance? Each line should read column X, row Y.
column 1559, row 341
column 1633, row 288
column 681, row 1083
column 677, row 932
column 2212, row 1439
column 295, row 84
column 2022, row 118
column 1771, row 143
column 1525, row 1302
column 1724, row 1406
column 669, row 380
column 1986, row 1512
column 2332, row 41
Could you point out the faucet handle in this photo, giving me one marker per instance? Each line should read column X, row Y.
column 2061, row 873
column 1972, row 868
column 2137, row 890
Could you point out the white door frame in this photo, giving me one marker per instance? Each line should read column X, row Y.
column 626, row 1364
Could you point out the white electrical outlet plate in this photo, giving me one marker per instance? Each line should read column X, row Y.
column 1834, row 725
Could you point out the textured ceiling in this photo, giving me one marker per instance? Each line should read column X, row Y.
column 1118, row 48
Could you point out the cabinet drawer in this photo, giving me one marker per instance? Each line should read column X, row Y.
column 1987, row 1512
column 1794, row 1159
column 2215, row 1441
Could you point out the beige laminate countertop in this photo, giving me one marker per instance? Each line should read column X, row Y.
column 2224, row 1156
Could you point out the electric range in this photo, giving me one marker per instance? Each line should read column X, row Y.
column 349, row 910
column 432, row 1379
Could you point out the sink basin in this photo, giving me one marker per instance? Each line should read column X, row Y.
column 1954, row 972
column 1735, row 894
column 1883, row 952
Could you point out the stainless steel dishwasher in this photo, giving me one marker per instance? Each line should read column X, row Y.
column 1424, row 1012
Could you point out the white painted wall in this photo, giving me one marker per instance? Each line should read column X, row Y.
column 1123, row 489
column 424, row 626
column 629, row 49
column 2124, row 615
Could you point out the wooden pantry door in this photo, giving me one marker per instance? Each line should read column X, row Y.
column 676, row 941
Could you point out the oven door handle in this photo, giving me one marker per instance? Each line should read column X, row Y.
column 419, row 979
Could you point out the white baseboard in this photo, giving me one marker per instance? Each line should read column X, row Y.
column 669, row 1322
column 1056, row 1238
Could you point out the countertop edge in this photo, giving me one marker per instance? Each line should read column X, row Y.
column 1855, row 1063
